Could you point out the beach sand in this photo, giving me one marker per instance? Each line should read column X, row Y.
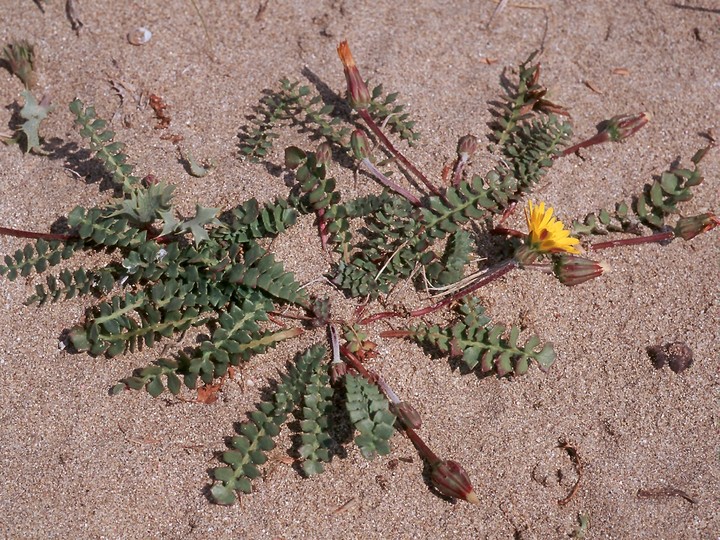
column 76, row 462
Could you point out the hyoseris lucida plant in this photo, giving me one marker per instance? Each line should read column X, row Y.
column 170, row 273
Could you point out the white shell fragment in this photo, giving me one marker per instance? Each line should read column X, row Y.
column 139, row 36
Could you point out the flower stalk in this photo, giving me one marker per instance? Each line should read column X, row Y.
column 491, row 275
column 359, row 99
column 618, row 128
column 361, row 149
column 18, row 233
column 666, row 236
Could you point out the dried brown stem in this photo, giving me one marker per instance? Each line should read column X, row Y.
column 572, row 452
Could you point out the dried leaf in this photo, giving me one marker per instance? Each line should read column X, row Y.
column 208, row 393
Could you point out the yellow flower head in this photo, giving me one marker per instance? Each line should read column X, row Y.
column 547, row 233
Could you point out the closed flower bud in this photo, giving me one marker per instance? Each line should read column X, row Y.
column 467, row 146
column 337, row 371
column 451, row 480
column 360, row 144
column 357, row 90
column 689, row 227
column 572, row 270
column 323, row 154
column 407, row 414
column 623, row 126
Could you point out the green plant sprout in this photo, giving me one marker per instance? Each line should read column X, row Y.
column 169, row 273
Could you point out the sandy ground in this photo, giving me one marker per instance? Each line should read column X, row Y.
column 77, row 463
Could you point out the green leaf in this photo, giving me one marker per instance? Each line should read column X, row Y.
column 223, row 494
column 155, row 387
column 33, row 113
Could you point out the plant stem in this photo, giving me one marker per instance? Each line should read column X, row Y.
column 598, row 138
column 422, row 448
column 6, row 231
column 385, row 181
column 658, row 237
column 459, row 167
column 365, row 115
column 493, row 274
column 503, row 231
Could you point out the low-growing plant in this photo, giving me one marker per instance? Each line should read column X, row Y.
column 169, row 274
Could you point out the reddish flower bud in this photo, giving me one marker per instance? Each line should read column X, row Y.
column 360, row 144
column 623, row 126
column 689, row 227
column 150, row 180
column 451, row 480
column 358, row 93
column 337, row 371
column 407, row 414
column 572, row 270
column 467, row 146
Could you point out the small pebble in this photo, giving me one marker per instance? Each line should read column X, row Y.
column 139, row 36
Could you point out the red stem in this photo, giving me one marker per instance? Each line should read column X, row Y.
column 496, row 272
column 423, row 448
column 365, row 115
column 598, row 138
column 503, row 231
column 17, row 233
column 356, row 364
column 658, row 237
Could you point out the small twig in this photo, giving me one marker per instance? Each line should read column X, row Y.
column 498, row 9
column 345, row 506
column 211, row 54
column 75, row 23
column 657, row 493
column 575, row 458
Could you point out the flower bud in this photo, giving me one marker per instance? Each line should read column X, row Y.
column 467, row 146
column 150, row 180
column 357, row 90
column 572, row 270
column 451, row 480
column 337, row 371
column 407, row 414
column 623, row 126
column 526, row 255
column 323, row 154
column 688, row 228
column 360, row 144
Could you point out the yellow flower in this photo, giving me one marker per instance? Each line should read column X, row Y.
column 547, row 233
